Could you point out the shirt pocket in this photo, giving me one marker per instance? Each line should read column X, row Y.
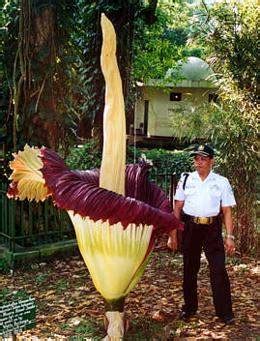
column 190, row 197
column 215, row 195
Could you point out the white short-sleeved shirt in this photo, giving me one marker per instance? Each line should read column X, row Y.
column 205, row 198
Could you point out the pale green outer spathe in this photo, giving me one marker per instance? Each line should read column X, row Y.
column 114, row 256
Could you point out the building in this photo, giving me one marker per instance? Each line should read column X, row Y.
column 161, row 100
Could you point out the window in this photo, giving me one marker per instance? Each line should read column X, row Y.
column 175, row 96
column 213, row 98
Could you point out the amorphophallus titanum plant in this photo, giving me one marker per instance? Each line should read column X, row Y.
column 116, row 212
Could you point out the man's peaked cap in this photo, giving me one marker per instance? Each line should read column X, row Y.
column 204, row 150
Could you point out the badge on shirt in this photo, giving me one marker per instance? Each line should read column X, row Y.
column 215, row 187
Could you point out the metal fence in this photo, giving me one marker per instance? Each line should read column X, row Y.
column 166, row 180
column 26, row 225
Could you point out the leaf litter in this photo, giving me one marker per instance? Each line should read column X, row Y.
column 68, row 306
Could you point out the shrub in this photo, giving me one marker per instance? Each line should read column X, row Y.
column 84, row 157
column 88, row 156
column 170, row 161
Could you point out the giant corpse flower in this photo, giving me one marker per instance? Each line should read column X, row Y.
column 117, row 212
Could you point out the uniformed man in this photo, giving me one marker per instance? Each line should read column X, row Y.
column 202, row 199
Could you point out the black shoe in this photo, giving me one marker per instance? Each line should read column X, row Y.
column 185, row 315
column 227, row 320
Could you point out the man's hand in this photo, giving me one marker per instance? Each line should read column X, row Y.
column 172, row 241
column 230, row 246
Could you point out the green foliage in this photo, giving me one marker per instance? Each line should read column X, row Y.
column 171, row 162
column 84, row 157
column 88, row 156
column 41, row 278
column 230, row 31
column 236, row 133
column 88, row 328
column 4, row 268
column 160, row 46
column 61, row 286
column 7, row 295
column 145, row 328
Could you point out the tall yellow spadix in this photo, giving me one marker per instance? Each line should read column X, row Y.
column 112, row 172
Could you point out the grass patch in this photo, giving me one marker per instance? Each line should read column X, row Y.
column 41, row 278
column 61, row 286
column 88, row 329
column 144, row 329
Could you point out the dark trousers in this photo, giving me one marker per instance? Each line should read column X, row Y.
column 209, row 238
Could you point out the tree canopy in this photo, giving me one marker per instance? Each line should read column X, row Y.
column 160, row 46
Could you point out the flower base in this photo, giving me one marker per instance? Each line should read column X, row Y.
column 115, row 325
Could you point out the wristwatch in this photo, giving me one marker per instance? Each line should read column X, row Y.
column 230, row 236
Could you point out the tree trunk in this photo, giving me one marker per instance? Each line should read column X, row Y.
column 39, row 83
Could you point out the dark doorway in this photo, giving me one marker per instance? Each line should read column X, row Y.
column 146, row 111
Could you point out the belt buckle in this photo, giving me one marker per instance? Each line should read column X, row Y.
column 203, row 220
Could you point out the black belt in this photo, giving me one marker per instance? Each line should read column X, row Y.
column 200, row 220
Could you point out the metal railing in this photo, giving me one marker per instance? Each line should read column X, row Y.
column 29, row 224
column 166, row 180
column 26, row 225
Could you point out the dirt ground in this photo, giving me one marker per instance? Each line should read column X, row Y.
column 68, row 306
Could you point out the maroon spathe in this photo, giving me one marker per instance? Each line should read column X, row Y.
column 78, row 191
